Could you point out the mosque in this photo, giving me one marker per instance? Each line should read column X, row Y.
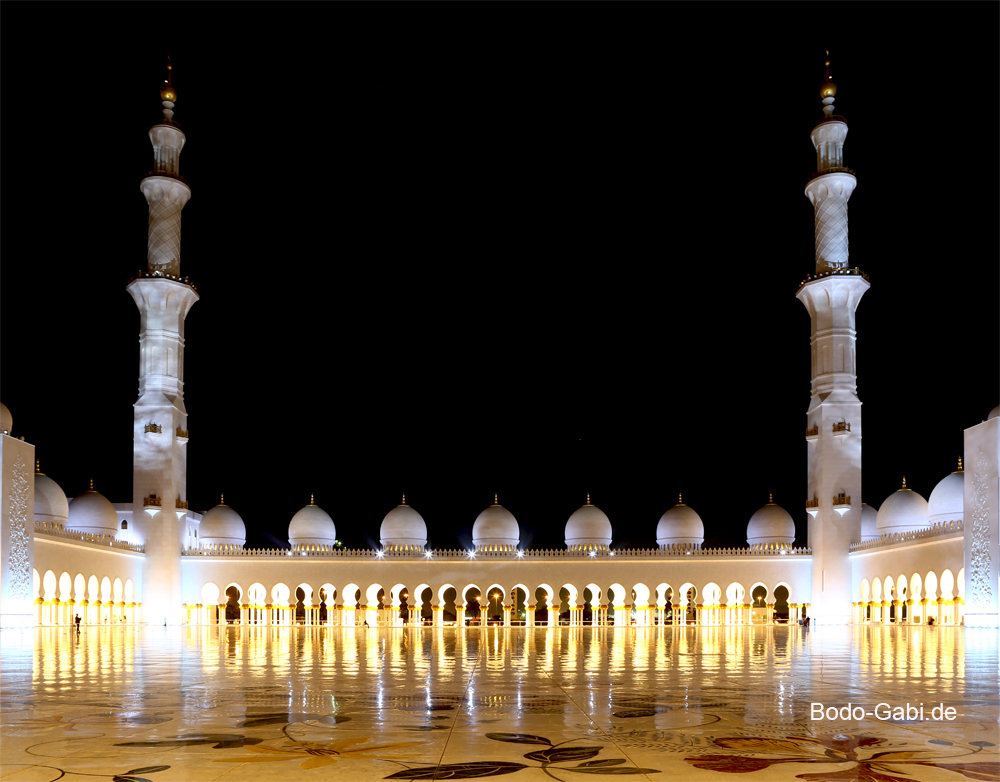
column 153, row 560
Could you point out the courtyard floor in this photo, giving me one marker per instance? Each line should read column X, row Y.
column 687, row 703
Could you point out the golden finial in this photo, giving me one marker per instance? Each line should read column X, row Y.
column 680, row 498
column 588, row 498
column 91, row 485
column 404, row 500
column 312, row 498
column 770, row 498
column 904, row 483
column 495, row 500
column 960, row 467
column 38, row 469
column 168, row 92
column 829, row 89
column 222, row 499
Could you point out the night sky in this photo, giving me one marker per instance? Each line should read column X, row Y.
column 454, row 250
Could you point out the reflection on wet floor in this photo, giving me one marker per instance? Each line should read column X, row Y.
column 242, row 703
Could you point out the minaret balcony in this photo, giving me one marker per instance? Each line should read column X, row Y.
column 182, row 437
column 842, row 503
column 830, row 170
column 167, row 174
column 152, row 504
column 154, row 430
column 841, row 429
column 812, row 506
column 812, row 435
column 180, row 507
column 853, row 272
column 156, row 274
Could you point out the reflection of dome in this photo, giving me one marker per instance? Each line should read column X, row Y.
column 222, row 525
column 869, row 525
column 496, row 529
column 50, row 501
column 312, row 526
column 92, row 512
column 403, row 529
column 680, row 525
column 6, row 422
column 947, row 501
column 588, row 528
column 903, row 511
column 772, row 525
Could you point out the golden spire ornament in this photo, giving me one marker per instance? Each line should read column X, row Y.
column 168, row 93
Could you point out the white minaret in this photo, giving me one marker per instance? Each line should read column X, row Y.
column 159, row 471
column 833, row 421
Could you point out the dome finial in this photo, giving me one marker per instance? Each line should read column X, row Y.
column 588, row 498
column 91, row 485
column 904, row 482
column 680, row 498
column 495, row 500
column 404, row 500
column 222, row 499
column 960, row 467
column 312, row 498
column 38, row 469
column 770, row 498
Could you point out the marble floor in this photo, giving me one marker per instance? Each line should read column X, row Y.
column 230, row 703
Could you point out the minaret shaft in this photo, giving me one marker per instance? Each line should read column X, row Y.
column 833, row 420
column 159, row 433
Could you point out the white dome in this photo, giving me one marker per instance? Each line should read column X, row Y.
column 947, row 501
column 496, row 529
column 222, row 525
column 312, row 526
column 403, row 529
column 869, row 523
column 6, row 422
column 680, row 525
column 903, row 511
column 588, row 528
column 994, row 413
column 92, row 512
column 50, row 501
column 772, row 524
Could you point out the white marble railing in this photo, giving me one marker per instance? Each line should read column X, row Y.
column 231, row 550
column 58, row 531
column 938, row 530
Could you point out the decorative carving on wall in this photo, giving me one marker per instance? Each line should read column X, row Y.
column 980, row 589
column 19, row 562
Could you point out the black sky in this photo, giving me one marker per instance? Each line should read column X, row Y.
column 454, row 250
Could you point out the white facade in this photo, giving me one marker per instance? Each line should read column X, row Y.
column 152, row 560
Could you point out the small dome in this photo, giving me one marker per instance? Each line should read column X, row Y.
column 680, row 525
column 588, row 528
column 222, row 525
column 496, row 529
column 994, row 413
column 312, row 526
column 92, row 512
column 947, row 501
column 869, row 525
column 771, row 525
column 6, row 422
column 403, row 529
column 903, row 511
column 50, row 501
